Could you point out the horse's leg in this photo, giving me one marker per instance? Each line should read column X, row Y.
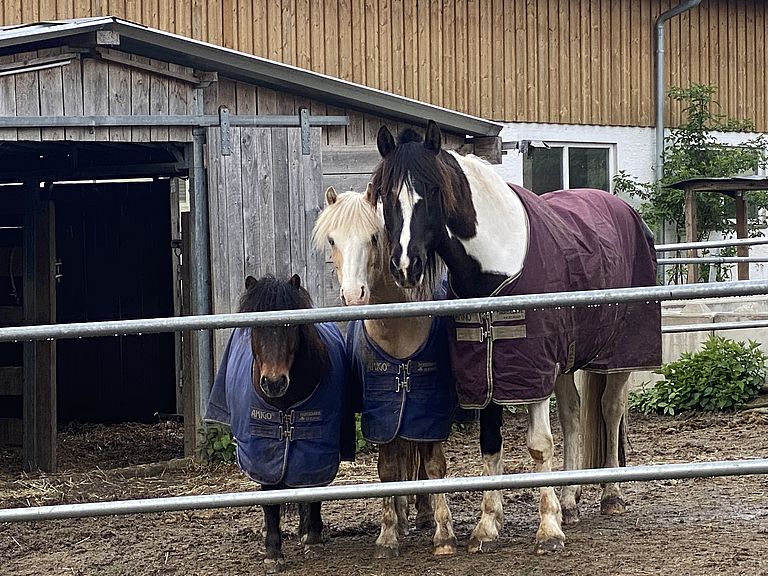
column 614, row 405
column 433, row 460
column 273, row 541
column 407, row 460
column 386, row 543
column 311, row 528
column 549, row 537
column 425, row 513
column 492, row 513
column 568, row 410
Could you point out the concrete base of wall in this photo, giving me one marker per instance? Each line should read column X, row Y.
column 707, row 311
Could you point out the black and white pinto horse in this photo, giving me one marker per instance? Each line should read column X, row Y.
column 498, row 239
column 283, row 390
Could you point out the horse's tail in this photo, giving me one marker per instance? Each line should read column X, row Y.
column 595, row 438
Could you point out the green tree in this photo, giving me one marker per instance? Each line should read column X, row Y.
column 692, row 150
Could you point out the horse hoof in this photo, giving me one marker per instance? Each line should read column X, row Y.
column 570, row 516
column 386, row 552
column 313, row 551
column 612, row 506
column 551, row 546
column 476, row 546
column 274, row 566
column 446, row 548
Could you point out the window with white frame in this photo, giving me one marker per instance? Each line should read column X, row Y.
column 568, row 166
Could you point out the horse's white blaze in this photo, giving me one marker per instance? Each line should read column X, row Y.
column 408, row 199
column 354, row 272
column 501, row 243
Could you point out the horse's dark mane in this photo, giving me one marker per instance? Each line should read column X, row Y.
column 269, row 293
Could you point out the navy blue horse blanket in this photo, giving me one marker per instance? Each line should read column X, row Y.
column 299, row 447
column 578, row 240
column 412, row 398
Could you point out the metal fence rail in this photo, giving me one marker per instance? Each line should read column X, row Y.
column 714, row 326
column 712, row 260
column 377, row 490
column 340, row 313
column 710, row 244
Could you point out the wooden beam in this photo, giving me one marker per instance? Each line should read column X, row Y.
column 690, row 231
column 741, row 232
column 39, row 445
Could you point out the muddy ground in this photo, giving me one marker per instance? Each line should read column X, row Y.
column 680, row 527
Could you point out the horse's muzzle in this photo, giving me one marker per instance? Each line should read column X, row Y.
column 410, row 276
column 274, row 387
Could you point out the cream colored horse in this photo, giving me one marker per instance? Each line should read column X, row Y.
column 355, row 232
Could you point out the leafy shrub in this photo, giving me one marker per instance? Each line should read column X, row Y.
column 723, row 375
column 218, row 444
column 361, row 444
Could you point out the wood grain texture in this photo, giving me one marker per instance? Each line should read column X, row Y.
column 560, row 61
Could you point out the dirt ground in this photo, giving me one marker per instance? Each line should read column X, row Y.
column 685, row 527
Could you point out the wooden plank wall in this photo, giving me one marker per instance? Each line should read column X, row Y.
column 561, row 61
column 265, row 196
column 93, row 86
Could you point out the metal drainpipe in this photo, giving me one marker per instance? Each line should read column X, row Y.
column 672, row 12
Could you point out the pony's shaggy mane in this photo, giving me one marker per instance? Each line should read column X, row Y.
column 351, row 214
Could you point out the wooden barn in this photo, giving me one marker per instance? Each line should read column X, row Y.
column 144, row 174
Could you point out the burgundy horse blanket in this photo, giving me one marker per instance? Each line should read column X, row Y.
column 578, row 240
column 299, row 447
column 412, row 398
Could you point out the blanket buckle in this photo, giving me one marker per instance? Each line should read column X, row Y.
column 403, row 378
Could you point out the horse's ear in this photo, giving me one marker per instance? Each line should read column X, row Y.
column 369, row 192
column 330, row 196
column 432, row 138
column 385, row 141
column 295, row 281
column 250, row 282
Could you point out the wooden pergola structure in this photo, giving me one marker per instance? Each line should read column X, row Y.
column 735, row 187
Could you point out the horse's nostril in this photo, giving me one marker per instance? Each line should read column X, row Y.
column 362, row 292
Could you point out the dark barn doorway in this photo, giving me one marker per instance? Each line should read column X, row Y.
column 113, row 252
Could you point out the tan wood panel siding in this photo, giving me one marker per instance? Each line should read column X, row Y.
column 578, row 61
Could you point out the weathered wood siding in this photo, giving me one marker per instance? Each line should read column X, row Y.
column 94, row 87
column 562, row 61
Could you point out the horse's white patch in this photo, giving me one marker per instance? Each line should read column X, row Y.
column 408, row 199
column 501, row 242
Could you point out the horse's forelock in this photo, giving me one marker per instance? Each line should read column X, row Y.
column 350, row 214
column 269, row 293
column 409, row 135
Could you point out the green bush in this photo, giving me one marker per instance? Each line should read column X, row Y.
column 723, row 375
column 218, row 444
column 361, row 444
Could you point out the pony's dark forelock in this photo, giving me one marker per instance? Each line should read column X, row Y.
column 269, row 293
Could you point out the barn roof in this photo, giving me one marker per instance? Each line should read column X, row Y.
column 145, row 41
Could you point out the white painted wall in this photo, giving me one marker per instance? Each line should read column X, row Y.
column 633, row 150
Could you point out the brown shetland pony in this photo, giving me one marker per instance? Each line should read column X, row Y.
column 282, row 391
column 359, row 250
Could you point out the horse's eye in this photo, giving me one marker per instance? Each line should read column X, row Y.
column 331, row 242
